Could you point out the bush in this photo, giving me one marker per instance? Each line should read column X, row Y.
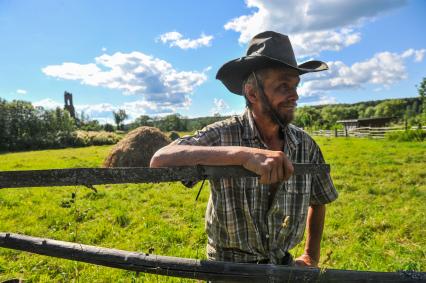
column 409, row 135
column 108, row 127
column 87, row 138
column 174, row 136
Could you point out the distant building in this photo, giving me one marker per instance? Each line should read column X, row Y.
column 68, row 103
column 365, row 122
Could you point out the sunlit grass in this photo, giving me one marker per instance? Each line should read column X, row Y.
column 376, row 224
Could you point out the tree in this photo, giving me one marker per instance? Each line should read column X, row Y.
column 119, row 117
column 422, row 92
column 391, row 108
column 108, row 127
column 369, row 112
column 307, row 117
column 143, row 120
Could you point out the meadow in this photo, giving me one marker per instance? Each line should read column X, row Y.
column 378, row 223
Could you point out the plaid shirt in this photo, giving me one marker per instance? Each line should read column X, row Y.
column 240, row 225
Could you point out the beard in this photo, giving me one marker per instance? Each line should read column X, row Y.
column 284, row 112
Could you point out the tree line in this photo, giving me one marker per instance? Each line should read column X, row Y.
column 23, row 126
column 408, row 110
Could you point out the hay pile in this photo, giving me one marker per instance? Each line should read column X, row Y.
column 136, row 148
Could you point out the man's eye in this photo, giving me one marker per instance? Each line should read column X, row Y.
column 285, row 88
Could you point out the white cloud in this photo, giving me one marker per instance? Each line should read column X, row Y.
column 104, row 49
column 382, row 70
column 418, row 54
column 47, row 103
column 21, row 91
column 219, row 106
column 313, row 25
column 160, row 85
column 175, row 38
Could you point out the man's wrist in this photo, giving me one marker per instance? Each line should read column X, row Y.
column 306, row 260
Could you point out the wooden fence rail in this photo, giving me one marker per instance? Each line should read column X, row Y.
column 362, row 132
column 197, row 269
column 98, row 176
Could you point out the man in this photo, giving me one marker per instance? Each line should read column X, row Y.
column 257, row 220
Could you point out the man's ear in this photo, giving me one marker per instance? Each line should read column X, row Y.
column 250, row 93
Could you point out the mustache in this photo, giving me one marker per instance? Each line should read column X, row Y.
column 287, row 105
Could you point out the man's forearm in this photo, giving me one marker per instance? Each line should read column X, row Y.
column 315, row 225
column 186, row 155
column 272, row 166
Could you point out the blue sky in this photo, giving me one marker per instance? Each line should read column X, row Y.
column 161, row 57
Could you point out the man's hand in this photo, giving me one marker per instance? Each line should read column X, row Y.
column 306, row 261
column 272, row 166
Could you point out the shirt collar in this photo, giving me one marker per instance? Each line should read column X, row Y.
column 250, row 131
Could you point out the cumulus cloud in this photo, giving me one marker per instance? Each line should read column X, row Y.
column 175, row 39
column 156, row 80
column 383, row 70
column 313, row 25
column 417, row 54
column 219, row 106
column 316, row 99
column 47, row 103
column 21, row 91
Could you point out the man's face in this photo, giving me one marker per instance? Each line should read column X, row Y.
column 280, row 88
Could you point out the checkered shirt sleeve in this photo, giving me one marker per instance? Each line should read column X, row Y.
column 323, row 190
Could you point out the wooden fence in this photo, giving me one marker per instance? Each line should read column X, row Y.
column 363, row 132
column 164, row 265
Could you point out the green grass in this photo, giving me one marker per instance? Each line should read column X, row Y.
column 376, row 224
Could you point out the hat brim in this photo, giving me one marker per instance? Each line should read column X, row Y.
column 233, row 73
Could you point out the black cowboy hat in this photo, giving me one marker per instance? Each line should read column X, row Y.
column 267, row 49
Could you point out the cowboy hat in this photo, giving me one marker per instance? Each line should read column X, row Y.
column 267, row 49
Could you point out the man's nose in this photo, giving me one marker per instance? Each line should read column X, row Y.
column 294, row 96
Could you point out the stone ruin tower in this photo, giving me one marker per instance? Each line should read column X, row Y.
column 68, row 103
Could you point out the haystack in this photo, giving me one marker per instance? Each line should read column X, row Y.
column 136, row 148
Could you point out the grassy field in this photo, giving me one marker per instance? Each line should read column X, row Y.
column 378, row 222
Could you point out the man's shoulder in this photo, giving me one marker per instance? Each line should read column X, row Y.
column 301, row 135
column 230, row 122
column 298, row 132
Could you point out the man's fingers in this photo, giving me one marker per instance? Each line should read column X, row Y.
column 265, row 176
column 288, row 169
column 280, row 172
column 274, row 174
column 300, row 263
column 272, row 166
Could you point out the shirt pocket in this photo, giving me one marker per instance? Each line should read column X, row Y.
column 290, row 218
column 298, row 184
column 290, row 232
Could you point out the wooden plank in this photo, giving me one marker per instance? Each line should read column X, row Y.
column 98, row 176
column 196, row 269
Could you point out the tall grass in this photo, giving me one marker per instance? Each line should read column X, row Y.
column 407, row 136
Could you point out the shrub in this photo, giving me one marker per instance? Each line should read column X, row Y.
column 174, row 136
column 409, row 135
column 87, row 138
column 108, row 127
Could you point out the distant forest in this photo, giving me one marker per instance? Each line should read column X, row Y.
column 406, row 110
